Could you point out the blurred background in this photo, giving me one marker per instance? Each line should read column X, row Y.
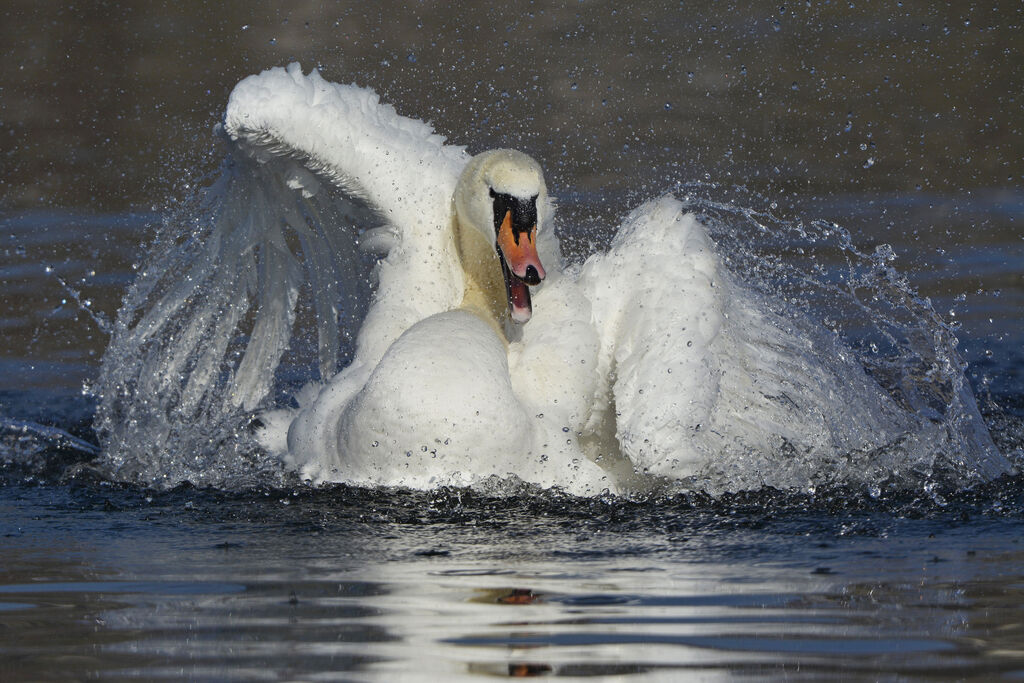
column 106, row 105
column 901, row 121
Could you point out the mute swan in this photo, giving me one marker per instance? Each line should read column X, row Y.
column 440, row 406
column 469, row 348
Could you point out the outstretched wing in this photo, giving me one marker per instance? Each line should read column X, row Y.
column 703, row 377
column 326, row 194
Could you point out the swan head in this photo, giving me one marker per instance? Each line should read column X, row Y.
column 501, row 194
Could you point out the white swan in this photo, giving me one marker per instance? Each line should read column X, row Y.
column 648, row 363
column 441, row 406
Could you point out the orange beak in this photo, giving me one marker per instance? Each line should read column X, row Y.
column 517, row 251
column 519, row 247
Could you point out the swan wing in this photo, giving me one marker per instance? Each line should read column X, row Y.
column 658, row 309
column 702, row 377
column 396, row 165
column 326, row 194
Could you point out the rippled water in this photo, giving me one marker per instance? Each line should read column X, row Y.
column 360, row 584
column 98, row 578
column 901, row 124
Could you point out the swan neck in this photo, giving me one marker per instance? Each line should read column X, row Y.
column 484, row 292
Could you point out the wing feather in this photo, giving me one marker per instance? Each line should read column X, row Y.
column 312, row 167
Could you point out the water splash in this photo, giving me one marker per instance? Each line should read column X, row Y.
column 84, row 305
column 169, row 411
column 812, row 269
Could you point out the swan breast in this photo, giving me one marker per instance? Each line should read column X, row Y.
column 438, row 408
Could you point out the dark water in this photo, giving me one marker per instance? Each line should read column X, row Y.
column 358, row 584
column 903, row 124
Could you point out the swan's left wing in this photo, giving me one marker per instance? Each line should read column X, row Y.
column 367, row 154
column 326, row 194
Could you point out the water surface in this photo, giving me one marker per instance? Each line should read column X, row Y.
column 902, row 124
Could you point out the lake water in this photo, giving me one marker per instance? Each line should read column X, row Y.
column 902, row 124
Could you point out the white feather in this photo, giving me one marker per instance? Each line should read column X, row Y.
column 648, row 363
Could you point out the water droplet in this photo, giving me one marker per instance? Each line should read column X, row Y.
column 411, row 57
column 668, row 106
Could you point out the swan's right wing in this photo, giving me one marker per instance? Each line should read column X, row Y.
column 658, row 308
column 326, row 193
column 703, row 377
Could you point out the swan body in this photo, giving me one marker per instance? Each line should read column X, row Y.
column 440, row 407
column 475, row 351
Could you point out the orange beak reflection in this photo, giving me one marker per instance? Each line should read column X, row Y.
column 520, row 264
